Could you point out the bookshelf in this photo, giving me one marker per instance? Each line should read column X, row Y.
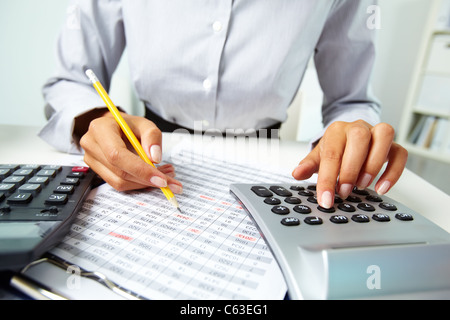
column 425, row 125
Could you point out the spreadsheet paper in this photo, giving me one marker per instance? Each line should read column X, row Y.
column 211, row 250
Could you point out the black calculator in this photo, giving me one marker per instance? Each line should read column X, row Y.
column 365, row 246
column 37, row 206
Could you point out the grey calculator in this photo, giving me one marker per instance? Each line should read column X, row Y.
column 365, row 246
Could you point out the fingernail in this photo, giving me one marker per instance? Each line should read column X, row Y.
column 345, row 190
column 384, row 187
column 158, row 182
column 326, row 200
column 156, row 153
column 364, row 181
column 176, row 188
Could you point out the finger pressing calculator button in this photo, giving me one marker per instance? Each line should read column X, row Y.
column 272, row 201
column 291, row 221
column 313, row 220
column 280, row 210
column 281, row 191
column 261, row 191
column 326, row 210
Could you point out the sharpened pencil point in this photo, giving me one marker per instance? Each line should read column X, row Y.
column 179, row 209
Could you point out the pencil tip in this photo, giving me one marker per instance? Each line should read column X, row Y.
column 179, row 209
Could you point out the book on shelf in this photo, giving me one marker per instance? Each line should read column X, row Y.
column 430, row 132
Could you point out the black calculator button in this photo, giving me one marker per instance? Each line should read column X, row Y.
column 55, row 199
column 272, row 201
column 374, row 198
column 306, row 193
column 388, row 206
column 281, row 191
column 313, row 220
column 293, row 200
column 312, row 199
column 338, row 199
column 361, row 192
column 339, row 219
column 366, row 206
column 261, row 191
column 65, row 189
column 347, row 207
column 76, row 175
column 297, row 188
column 20, row 198
column 404, row 216
column 381, row 217
column 280, row 210
column 361, row 218
column 302, row 209
column 326, row 210
column 71, row 181
column 312, row 187
column 290, row 221
column 353, row 198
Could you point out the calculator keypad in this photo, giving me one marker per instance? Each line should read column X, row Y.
column 299, row 204
column 39, row 192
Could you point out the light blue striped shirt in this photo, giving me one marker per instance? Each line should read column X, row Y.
column 227, row 63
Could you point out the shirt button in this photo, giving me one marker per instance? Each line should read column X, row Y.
column 217, row 26
column 207, row 84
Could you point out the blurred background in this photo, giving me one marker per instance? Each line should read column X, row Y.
column 411, row 76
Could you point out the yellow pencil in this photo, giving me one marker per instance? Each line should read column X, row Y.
column 126, row 129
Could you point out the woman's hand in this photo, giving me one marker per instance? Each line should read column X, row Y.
column 352, row 154
column 110, row 155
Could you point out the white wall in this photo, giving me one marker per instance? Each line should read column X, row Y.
column 28, row 30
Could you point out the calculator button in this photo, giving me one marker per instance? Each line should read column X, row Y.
column 313, row 220
column 9, row 166
column 338, row 199
column 339, row 219
column 293, row 200
column 312, row 199
column 361, row 218
column 361, row 192
column 7, row 187
column 353, row 198
column 272, row 201
column 39, row 180
column 4, row 173
column 302, row 209
column 80, row 169
column 261, row 191
column 365, row 206
column 20, row 198
column 55, row 199
column 30, row 188
column 280, row 210
column 76, row 175
column 387, row 206
column 326, row 210
column 281, row 191
column 66, row 189
column 71, row 181
column 381, row 217
column 306, row 193
column 297, row 188
column 16, row 180
column 347, row 207
column 46, row 173
column 290, row 221
column 374, row 198
column 404, row 216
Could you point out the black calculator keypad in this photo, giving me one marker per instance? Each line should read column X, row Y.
column 360, row 207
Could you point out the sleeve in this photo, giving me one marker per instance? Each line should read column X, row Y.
column 92, row 38
column 344, row 58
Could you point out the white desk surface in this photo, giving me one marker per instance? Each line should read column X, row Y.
column 20, row 144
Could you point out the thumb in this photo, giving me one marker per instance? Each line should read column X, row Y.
column 308, row 166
